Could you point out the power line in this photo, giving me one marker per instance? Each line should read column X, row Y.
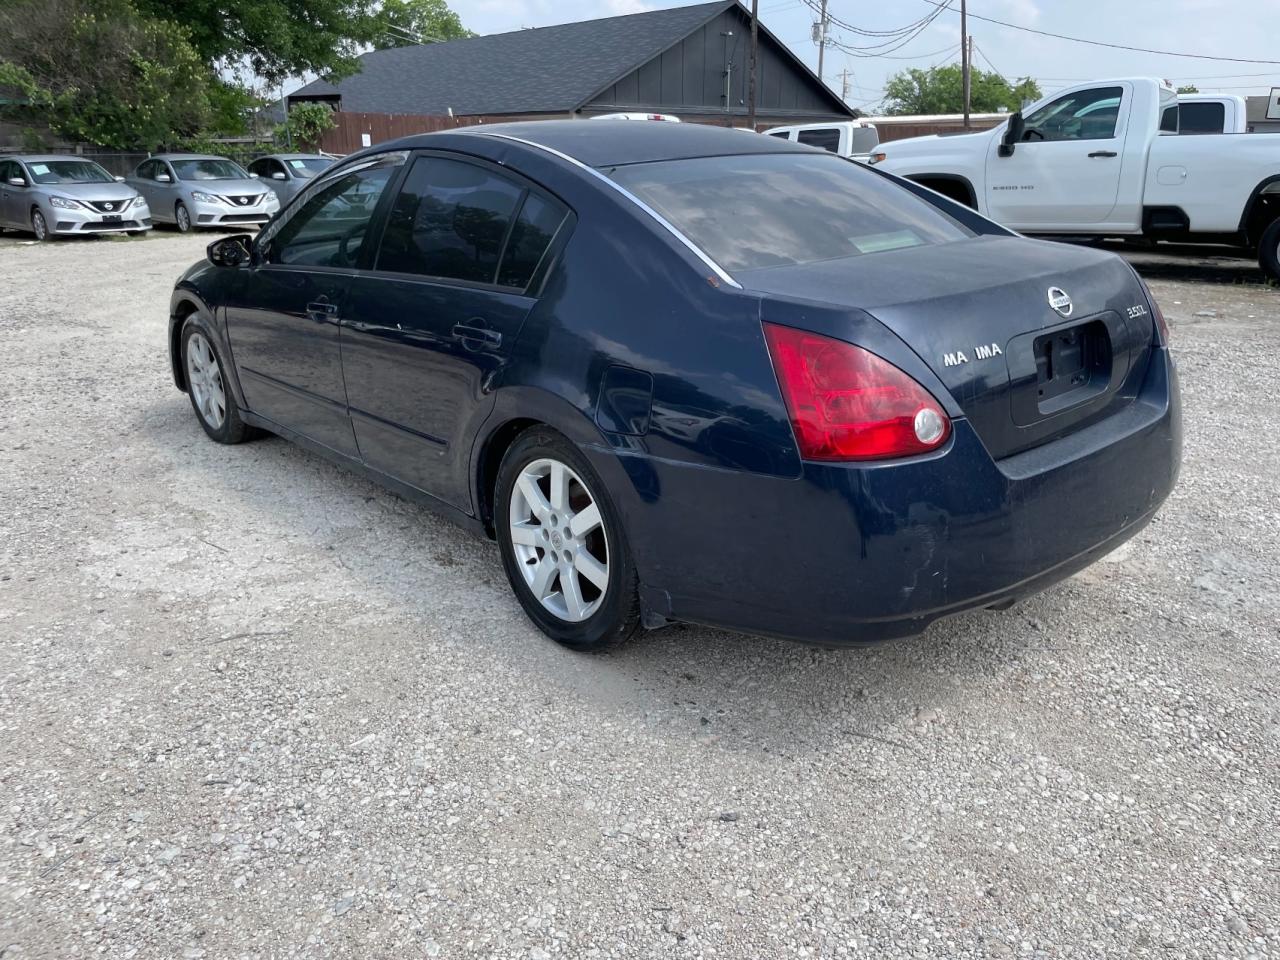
column 890, row 46
column 1099, row 43
column 863, row 31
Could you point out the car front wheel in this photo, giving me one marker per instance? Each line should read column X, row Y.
column 40, row 226
column 213, row 402
column 563, row 545
column 181, row 217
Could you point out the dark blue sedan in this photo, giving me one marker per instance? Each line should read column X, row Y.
column 683, row 374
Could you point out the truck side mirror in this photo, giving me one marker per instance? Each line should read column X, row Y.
column 1012, row 134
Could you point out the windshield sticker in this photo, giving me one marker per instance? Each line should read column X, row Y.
column 297, row 164
column 39, row 169
column 877, row 242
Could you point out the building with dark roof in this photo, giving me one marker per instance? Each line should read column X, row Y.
column 688, row 61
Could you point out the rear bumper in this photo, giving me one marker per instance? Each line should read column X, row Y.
column 852, row 554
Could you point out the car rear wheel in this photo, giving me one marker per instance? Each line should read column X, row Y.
column 181, row 217
column 214, row 404
column 563, row 545
column 39, row 226
column 1269, row 251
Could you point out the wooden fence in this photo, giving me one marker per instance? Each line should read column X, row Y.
column 354, row 131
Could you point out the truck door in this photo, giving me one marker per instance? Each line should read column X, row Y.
column 1066, row 169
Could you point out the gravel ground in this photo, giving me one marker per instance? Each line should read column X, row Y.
column 252, row 706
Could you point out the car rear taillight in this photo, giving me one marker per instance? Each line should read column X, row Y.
column 1162, row 325
column 848, row 404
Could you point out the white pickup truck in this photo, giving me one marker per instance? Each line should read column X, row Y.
column 1103, row 159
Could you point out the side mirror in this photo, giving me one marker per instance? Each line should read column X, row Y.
column 1012, row 134
column 119, row 179
column 278, row 175
column 163, row 178
column 17, row 182
column 253, row 176
column 231, row 251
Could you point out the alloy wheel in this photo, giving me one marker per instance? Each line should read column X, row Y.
column 182, row 217
column 204, row 379
column 39, row 226
column 558, row 536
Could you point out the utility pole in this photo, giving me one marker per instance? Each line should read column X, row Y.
column 844, row 85
column 751, row 80
column 822, row 36
column 966, row 56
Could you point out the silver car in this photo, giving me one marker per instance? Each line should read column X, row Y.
column 59, row 195
column 192, row 190
column 287, row 173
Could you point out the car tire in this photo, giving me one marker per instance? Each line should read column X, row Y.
column 40, row 226
column 577, row 583
column 1269, row 251
column 213, row 402
column 181, row 217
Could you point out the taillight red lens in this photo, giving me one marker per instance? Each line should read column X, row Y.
column 848, row 404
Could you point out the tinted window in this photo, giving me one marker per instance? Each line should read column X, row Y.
column 449, row 221
column 1169, row 119
column 1202, row 117
column 1082, row 115
column 863, row 139
column 330, row 228
column 828, row 139
column 8, row 169
column 772, row 209
column 782, row 134
column 530, row 236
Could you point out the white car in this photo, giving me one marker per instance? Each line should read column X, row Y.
column 855, row 139
column 1103, row 159
column 664, row 117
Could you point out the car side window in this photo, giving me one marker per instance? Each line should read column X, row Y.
column 8, row 169
column 828, row 139
column 1081, row 115
column 146, row 170
column 450, row 220
column 330, row 228
column 260, row 167
column 531, row 235
column 782, row 134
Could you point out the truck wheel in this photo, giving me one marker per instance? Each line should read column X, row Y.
column 1269, row 251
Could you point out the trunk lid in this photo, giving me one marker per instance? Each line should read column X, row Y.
column 978, row 313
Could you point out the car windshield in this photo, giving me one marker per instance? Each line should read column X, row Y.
column 208, row 170
column 766, row 210
column 68, row 171
column 307, row 167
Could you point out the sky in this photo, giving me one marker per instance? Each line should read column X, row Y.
column 1244, row 29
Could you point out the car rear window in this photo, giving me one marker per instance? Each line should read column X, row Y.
column 765, row 210
column 1202, row 117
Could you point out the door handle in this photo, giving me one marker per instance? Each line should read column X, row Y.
column 1104, row 153
column 473, row 333
column 321, row 309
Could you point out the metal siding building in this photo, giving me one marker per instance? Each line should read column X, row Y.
column 688, row 61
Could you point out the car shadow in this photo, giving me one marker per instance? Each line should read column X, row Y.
column 733, row 691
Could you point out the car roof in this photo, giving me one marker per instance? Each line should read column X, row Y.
column 44, row 157
column 186, row 156
column 293, row 156
column 615, row 144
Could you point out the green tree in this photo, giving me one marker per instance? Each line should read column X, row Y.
column 406, row 22
column 1189, row 88
column 305, row 125
column 98, row 71
column 941, row 90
